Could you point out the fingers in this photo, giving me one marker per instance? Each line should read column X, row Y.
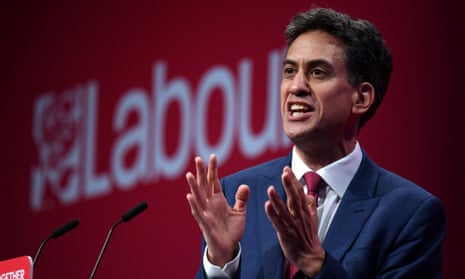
column 296, row 223
column 212, row 174
column 202, row 180
column 195, row 210
column 197, row 194
column 277, row 211
column 311, row 205
column 297, row 217
column 296, row 198
column 282, row 214
column 205, row 182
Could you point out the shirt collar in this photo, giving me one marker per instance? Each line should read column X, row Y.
column 337, row 175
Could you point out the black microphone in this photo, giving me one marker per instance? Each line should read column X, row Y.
column 124, row 218
column 134, row 211
column 56, row 233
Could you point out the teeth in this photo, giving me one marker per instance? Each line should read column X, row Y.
column 299, row 108
column 296, row 113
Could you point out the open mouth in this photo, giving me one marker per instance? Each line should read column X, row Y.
column 299, row 109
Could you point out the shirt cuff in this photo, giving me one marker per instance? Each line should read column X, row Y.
column 229, row 269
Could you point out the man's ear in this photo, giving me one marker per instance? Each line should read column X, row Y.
column 363, row 98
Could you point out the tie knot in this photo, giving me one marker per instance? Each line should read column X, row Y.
column 312, row 179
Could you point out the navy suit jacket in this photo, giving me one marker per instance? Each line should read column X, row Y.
column 385, row 227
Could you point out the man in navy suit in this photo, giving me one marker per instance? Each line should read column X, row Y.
column 366, row 222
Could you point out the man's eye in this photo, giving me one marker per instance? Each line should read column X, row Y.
column 318, row 73
column 288, row 71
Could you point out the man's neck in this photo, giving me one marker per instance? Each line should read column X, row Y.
column 316, row 157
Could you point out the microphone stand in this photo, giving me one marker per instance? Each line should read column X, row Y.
column 103, row 248
column 40, row 250
column 124, row 218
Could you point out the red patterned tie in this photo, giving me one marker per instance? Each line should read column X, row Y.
column 312, row 179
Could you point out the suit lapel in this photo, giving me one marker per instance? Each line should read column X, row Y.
column 357, row 205
column 342, row 233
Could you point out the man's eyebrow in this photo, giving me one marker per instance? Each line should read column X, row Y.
column 289, row 62
column 319, row 62
column 311, row 63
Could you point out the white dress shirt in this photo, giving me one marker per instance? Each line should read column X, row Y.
column 336, row 178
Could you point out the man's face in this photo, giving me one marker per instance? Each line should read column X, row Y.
column 316, row 97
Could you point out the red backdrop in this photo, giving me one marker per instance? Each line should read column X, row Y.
column 88, row 131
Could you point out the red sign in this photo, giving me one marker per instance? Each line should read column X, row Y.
column 17, row 268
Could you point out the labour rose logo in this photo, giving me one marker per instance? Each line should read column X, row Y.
column 57, row 120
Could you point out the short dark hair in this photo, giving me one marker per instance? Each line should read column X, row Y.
column 367, row 56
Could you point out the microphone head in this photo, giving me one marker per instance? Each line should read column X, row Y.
column 65, row 228
column 134, row 211
column 56, row 233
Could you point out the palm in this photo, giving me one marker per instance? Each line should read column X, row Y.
column 222, row 226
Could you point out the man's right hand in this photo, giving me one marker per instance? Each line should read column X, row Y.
column 222, row 226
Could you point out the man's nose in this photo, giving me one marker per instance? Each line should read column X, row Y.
column 299, row 85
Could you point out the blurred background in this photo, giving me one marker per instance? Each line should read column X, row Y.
column 105, row 104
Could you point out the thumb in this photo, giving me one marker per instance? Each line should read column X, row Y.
column 242, row 195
